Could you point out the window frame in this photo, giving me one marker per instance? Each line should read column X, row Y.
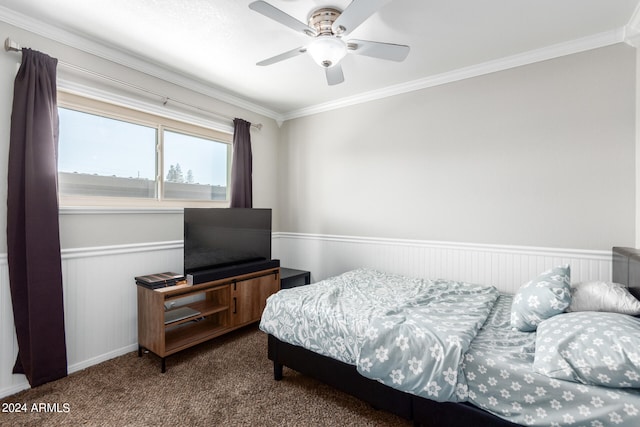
column 132, row 115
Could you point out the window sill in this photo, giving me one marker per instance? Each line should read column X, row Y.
column 88, row 206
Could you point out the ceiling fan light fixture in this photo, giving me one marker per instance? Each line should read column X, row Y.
column 327, row 27
column 327, row 51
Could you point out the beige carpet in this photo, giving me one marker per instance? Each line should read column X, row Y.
column 227, row 381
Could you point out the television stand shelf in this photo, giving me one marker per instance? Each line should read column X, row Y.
column 217, row 307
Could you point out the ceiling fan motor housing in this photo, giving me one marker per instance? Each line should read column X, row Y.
column 322, row 20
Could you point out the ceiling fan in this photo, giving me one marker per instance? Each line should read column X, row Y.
column 327, row 27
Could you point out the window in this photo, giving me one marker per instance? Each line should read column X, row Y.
column 197, row 167
column 100, row 156
column 114, row 155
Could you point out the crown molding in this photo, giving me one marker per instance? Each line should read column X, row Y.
column 629, row 34
column 117, row 56
column 632, row 37
column 554, row 51
column 632, row 29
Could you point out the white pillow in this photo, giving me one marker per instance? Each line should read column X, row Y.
column 603, row 296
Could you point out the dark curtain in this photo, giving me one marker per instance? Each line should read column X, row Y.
column 33, row 240
column 241, row 166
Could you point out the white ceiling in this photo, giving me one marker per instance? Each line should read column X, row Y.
column 218, row 42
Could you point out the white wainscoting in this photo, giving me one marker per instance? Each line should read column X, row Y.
column 505, row 267
column 100, row 304
column 100, row 296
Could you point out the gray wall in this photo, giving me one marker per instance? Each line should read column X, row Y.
column 540, row 155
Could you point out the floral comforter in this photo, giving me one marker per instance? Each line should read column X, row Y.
column 385, row 324
column 440, row 323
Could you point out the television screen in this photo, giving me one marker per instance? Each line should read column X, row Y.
column 215, row 237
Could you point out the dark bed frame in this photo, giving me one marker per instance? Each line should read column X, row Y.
column 423, row 412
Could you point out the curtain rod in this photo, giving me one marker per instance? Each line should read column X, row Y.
column 12, row 46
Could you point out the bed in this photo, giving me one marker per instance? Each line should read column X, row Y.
column 451, row 353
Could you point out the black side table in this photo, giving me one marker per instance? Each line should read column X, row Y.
column 290, row 278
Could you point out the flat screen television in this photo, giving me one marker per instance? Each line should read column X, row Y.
column 224, row 237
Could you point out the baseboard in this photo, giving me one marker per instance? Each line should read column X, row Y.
column 17, row 388
column 76, row 367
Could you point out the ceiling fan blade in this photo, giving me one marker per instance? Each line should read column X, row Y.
column 277, row 15
column 286, row 55
column 389, row 51
column 334, row 75
column 355, row 14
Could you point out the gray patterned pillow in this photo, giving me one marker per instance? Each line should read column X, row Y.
column 597, row 348
column 545, row 296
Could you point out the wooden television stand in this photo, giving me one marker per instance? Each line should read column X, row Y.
column 220, row 306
